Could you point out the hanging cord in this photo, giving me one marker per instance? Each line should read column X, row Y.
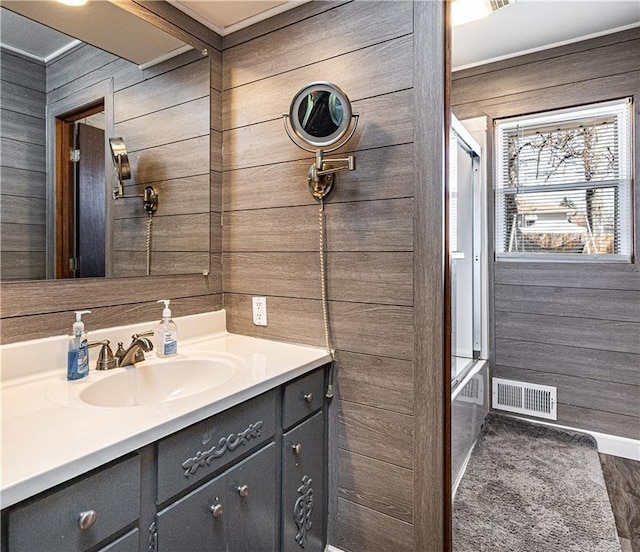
column 325, row 304
column 149, row 227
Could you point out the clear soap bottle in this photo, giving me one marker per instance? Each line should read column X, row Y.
column 78, row 352
column 166, row 333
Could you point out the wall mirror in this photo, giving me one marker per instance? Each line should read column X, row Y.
column 59, row 218
column 320, row 117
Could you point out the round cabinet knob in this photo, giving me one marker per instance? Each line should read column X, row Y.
column 216, row 510
column 243, row 490
column 297, row 449
column 308, row 398
column 87, row 519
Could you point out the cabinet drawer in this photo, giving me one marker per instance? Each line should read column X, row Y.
column 303, row 484
column 208, row 446
column 303, row 397
column 112, row 493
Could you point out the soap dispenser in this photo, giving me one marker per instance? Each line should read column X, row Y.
column 78, row 353
column 166, row 333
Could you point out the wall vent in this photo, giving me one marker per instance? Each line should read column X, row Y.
column 525, row 398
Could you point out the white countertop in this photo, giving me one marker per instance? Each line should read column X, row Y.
column 49, row 436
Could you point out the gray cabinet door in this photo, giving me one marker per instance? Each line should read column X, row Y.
column 303, row 483
column 253, row 519
column 217, row 518
column 193, row 524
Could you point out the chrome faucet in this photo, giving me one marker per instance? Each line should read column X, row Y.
column 136, row 350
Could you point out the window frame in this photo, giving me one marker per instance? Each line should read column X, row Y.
column 623, row 110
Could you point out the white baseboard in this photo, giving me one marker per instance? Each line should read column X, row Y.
column 330, row 548
column 607, row 444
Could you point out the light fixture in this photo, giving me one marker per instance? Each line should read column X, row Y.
column 466, row 11
column 73, row 2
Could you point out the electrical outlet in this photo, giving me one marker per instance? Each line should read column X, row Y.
column 259, row 311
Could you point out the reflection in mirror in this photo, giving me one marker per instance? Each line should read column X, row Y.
column 320, row 113
column 51, row 211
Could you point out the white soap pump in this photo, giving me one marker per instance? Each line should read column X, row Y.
column 78, row 352
column 166, row 333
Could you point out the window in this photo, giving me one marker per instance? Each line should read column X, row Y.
column 563, row 185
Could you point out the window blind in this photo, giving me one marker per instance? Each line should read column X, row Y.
column 563, row 184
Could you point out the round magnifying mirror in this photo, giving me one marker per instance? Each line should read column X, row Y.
column 320, row 114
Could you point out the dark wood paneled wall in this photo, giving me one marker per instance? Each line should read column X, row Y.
column 572, row 325
column 22, row 171
column 30, row 310
column 270, row 238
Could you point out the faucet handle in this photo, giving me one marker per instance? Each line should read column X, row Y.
column 119, row 353
column 106, row 360
column 143, row 334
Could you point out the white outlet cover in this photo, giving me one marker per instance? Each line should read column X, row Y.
column 259, row 310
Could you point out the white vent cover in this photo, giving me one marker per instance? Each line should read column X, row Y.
column 525, row 398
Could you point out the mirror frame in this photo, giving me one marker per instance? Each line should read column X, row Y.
column 334, row 137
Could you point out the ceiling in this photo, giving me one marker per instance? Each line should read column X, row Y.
column 527, row 25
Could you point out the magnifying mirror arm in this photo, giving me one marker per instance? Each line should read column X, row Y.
column 321, row 173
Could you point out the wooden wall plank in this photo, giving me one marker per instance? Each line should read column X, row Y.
column 382, row 382
column 384, row 121
column 22, row 299
column 601, row 304
column 383, row 72
column 608, row 366
column 22, row 100
column 41, row 325
column 359, row 226
column 22, row 127
column 215, row 193
column 22, row 210
column 600, row 62
column 583, row 392
column 564, row 330
column 170, row 161
column 382, row 173
column 385, row 277
column 382, row 330
column 171, row 233
column 22, row 155
column 22, row 237
column 363, row 480
column 346, row 28
column 289, row 17
column 362, row 529
column 22, row 71
column 187, row 83
column 179, row 196
column 432, row 355
column 579, row 275
column 21, row 265
column 174, row 124
column 22, row 182
column 75, row 64
column 566, row 95
column 376, row 433
column 132, row 263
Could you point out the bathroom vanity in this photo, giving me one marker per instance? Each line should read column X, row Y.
column 239, row 467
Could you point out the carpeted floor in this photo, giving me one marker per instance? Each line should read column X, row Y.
column 531, row 488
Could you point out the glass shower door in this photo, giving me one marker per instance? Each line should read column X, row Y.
column 464, row 256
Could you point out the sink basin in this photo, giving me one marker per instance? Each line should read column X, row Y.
column 157, row 382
